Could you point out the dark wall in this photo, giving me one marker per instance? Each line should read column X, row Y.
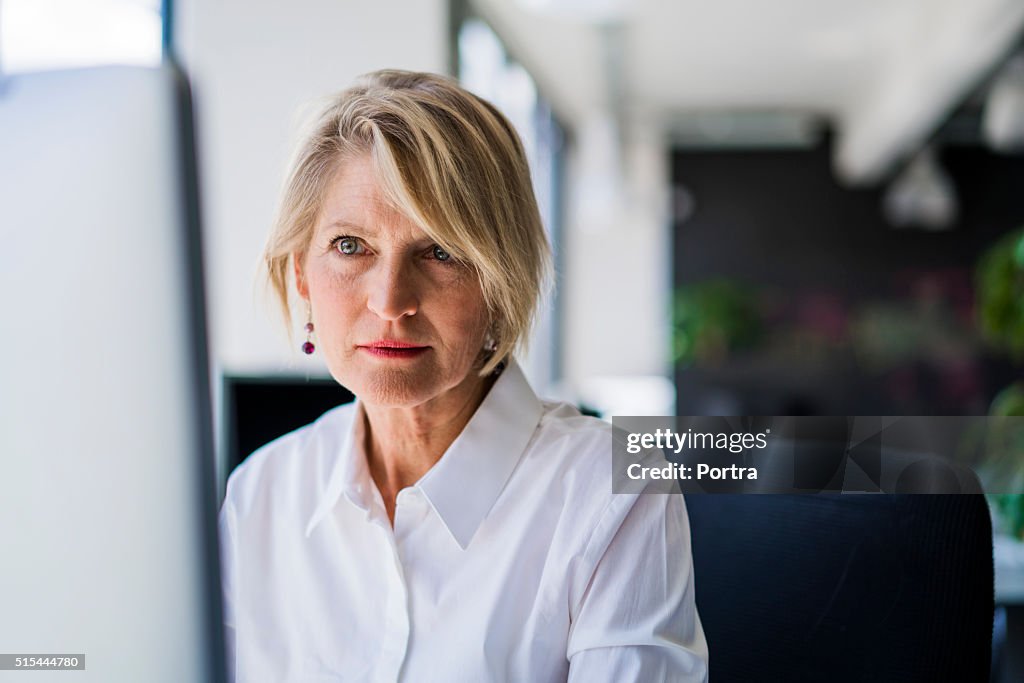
column 858, row 317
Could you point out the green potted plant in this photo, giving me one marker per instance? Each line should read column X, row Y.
column 999, row 286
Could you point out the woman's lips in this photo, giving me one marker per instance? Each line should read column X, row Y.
column 394, row 349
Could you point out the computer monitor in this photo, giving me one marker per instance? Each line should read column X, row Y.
column 107, row 495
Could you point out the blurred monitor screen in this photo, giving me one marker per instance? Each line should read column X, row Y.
column 106, row 468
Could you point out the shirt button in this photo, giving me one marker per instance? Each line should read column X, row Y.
column 412, row 500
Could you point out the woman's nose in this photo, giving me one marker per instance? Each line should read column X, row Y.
column 393, row 292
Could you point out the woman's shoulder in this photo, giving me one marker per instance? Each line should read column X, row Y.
column 564, row 419
column 583, row 436
column 573, row 463
column 574, row 450
column 585, row 455
column 283, row 464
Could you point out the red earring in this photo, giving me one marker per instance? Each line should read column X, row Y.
column 307, row 346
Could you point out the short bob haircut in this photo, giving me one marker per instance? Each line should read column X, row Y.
column 451, row 163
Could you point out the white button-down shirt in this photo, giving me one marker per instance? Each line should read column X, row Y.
column 509, row 560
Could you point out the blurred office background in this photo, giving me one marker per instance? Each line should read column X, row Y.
column 757, row 208
column 791, row 207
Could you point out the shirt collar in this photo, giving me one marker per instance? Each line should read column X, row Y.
column 464, row 484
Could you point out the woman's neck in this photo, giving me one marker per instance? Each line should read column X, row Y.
column 403, row 443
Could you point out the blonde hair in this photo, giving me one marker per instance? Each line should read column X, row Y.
column 448, row 160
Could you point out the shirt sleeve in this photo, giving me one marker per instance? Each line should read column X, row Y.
column 636, row 619
column 226, row 527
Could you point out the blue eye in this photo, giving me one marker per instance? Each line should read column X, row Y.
column 440, row 254
column 346, row 245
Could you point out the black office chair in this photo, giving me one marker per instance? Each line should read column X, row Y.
column 836, row 588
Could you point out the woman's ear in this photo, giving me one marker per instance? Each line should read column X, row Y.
column 300, row 277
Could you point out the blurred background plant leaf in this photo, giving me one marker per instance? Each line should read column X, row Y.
column 1000, row 291
column 712, row 319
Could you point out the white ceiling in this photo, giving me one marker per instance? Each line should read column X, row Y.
column 883, row 72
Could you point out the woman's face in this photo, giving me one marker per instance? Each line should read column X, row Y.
column 399, row 323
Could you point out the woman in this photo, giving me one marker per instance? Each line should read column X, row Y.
column 448, row 525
